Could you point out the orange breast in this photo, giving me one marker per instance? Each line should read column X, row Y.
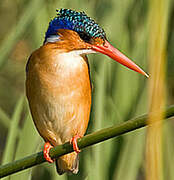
column 59, row 94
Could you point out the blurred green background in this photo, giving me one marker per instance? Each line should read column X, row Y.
column 118, row 93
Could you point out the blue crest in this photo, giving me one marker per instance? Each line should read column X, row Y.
column 76, row 21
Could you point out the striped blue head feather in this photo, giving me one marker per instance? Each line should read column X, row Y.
column 76, row 21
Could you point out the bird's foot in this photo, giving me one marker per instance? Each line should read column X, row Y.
column 73, row 141
column 46, row 151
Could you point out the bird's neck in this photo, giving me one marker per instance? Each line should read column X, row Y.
column 52, row 54
column 60, row 47
column 71, row 60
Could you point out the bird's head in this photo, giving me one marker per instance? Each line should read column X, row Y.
column 75, row 31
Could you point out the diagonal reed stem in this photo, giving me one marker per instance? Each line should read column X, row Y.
column 86, row 141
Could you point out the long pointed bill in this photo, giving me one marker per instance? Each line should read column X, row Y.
column 116, row 55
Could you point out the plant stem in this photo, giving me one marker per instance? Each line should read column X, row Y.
column 86, row 141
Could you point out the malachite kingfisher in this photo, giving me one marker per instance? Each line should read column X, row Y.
column 58, row 85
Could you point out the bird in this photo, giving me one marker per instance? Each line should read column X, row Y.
column 58, row 83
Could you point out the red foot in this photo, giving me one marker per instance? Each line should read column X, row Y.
column 46, row 151
column 73, row 141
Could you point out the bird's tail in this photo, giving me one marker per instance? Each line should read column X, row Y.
column 68, row 163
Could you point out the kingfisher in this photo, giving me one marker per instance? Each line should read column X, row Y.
column 58, row 85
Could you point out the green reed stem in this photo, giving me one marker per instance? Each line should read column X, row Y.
column 86, row 141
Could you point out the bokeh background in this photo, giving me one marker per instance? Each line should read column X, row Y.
column 118, row 93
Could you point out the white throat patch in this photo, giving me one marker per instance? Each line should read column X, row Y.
column 82, row 51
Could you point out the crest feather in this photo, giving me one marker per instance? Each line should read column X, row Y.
column 76, row 21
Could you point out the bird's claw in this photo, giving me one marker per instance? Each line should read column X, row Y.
column 46, row 151
column 73, row 141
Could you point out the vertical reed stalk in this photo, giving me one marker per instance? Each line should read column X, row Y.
column 158, row 14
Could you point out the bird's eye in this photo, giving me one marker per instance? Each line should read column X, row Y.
column 84, row 37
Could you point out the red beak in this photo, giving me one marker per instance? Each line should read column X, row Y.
column 116, row 55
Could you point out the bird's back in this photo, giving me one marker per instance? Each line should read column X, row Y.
column 59, row 93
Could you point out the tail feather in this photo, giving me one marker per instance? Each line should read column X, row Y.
column 68, row 163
